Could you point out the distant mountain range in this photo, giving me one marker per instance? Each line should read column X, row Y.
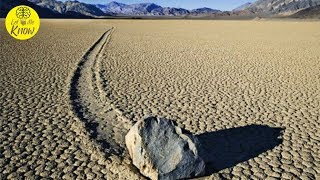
column 150, row 9
column 70, row 6
column 7, row 5
column 76, row 9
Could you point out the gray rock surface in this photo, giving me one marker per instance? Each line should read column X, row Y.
column 160, row 150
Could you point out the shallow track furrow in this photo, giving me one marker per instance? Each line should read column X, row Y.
column 90, row 104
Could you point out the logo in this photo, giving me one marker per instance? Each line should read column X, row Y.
column 22, row 22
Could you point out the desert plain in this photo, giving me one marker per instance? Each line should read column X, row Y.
column 249, row 90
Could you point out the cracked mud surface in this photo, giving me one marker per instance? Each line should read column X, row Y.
column 215, row 75
column 40, row 136
column 69, row 95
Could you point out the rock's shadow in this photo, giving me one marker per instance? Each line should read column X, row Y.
column 226, row 148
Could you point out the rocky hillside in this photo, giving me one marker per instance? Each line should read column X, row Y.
column 243, row 7
column 150, row 9
column 140, row 9
column 279, row 6
column 204, row 10
column 169, row 11
column 70, row 7
column 133, row 9
column 43, row 12
column 312, row 12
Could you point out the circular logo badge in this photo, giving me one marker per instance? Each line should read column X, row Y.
column 22, row 22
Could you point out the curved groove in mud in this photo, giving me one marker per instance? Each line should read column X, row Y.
column 104, row 123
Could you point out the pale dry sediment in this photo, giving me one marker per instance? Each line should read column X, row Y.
column 40, row 137
column 205, row 75
column 215, row 75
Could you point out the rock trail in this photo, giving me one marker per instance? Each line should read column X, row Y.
column 90, row 104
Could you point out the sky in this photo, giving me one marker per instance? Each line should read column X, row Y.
column 187, row 4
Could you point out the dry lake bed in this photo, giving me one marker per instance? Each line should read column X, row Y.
column 249, row 90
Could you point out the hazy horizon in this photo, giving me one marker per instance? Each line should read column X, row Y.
column 187, row 4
